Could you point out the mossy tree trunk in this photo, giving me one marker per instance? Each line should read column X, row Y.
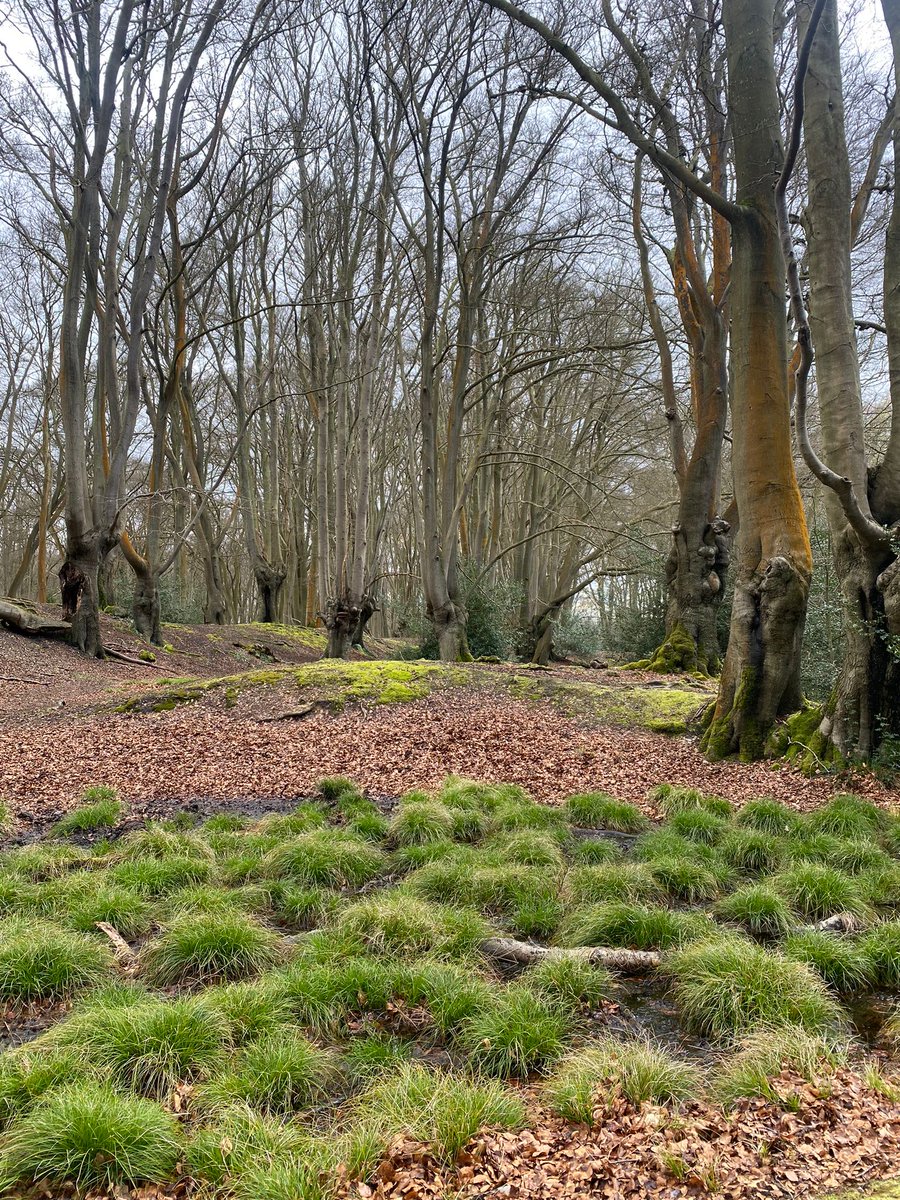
column 760, row 678
column 863, row 707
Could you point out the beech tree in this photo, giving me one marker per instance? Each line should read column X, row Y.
column 760, row 677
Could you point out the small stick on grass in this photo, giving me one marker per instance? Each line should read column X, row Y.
column 121, row 949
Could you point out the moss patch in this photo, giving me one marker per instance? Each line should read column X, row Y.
column 384, row 681
column 660, row 709
column 678, row 654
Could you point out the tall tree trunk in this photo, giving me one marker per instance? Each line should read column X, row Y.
column 853, row 716
column 760, row 678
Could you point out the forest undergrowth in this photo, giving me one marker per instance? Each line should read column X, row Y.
column 460, row 992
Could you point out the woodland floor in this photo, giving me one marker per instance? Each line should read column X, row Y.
column 555, row 732
column 199, row 731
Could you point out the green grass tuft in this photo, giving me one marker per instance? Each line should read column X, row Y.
column 40, row 961
column 420, row 822
column 750, row 851
column 769, row 816
column 757, row 908
column 594, row 851
column 451, row 993
column 768, row 1052
column 671, row 800
column 572, row 982
column 151, row 1045
column 443, row 1111
column 840, row 961
column 881, row 946
column 240, row 1141
column 251, row 1008
column 635, row 1069
column 205, row 949
column 597, row 810
column 635, row 926
column 526, row 847
column 329, row 859
column 847, row 816
column 816, row 891
column 520, row 1032
column 29, row 1072
column 367, row 1058
column 631, row 882
column 92, row 1135
column 681, row 879
column 698, row 825
column 401, row 923
column 128, row 913
column 100, row 813
column 279, row 1073
column 728, row 987
column 159, row 877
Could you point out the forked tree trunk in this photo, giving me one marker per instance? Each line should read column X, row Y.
column 760, row 678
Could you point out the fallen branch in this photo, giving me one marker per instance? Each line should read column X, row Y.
column 121, row 949
column 298, row 714
column 629, row 962
column 120, row 656
column 19, row 679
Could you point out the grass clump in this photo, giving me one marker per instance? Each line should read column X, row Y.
column 41, row 961
column 280, row 1073
column 758, row 909
column 698, row 825
column 420, row 822
column 631, row 882
column 847, row 816
column 160, row 841
column 750, row 851
column 636, row 926
column 130, row 914
column 250, row 1008
column 769, row 816
column 527, row 848
column 442, row 1110
column 26, row 1074
column 728, row 987
column 92, row 1135
column 840, row 961
column 151, row 1045
column 158, row 877
column 240, row 1140
column 594, row 851
column 815, row 891
column 572, row 982
column 597, row 810
column 672, row 800
column 518, row 1033
column 635, row 1069
column 377, row 1054
column 681, row 879
column 208, row 948
column 323, row 859
column 101, row 810
column 400, row 923
column 881, row 946
column 451, row 993
column 768, row 1052
column 535, row 917
column 880, row 885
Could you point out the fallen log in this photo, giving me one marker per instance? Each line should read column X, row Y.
column 629, row 962
column 24, row 620
column 299, row 714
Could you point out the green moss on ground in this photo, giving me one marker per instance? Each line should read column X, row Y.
column 659, row 709
column 384, row 681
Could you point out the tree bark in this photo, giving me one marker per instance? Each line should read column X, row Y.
column 760, row 679
column 862, row 708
